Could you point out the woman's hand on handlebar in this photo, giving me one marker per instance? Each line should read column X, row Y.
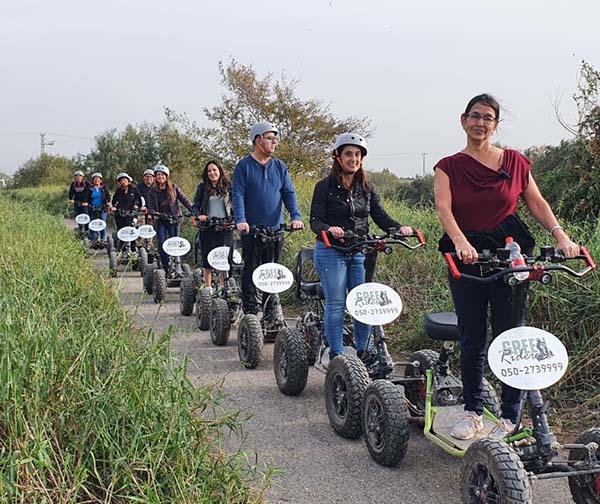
column 567, row 247
column 336, row 231
column 465, row 251
column 243, row 227
column 296, row 224
column 203, row 218
column 406, row 230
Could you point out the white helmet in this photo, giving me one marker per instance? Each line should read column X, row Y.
column 96, row 174
column 161, row 169
column 350, row 139
column 78, row 173
column 124, row 175
column 149, row 171
column 261, row 128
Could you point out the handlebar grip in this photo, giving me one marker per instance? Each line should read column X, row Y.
column 325, row 239
column 452, row 265
column 420, row 237
column 588, row 258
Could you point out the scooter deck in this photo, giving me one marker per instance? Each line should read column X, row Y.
column 448, row 416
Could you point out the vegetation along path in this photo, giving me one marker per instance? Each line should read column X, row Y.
column 293, row 433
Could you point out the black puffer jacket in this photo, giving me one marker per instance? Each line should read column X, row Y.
column 333, row 205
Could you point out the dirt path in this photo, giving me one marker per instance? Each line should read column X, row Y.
column 293, row 433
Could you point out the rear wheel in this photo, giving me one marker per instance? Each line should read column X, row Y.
column 493, row 472
column 491, row 401
column 187, row 271
column 250, row 341
column 159, row 285
column 186, row 296
column 112, row 263
column 345, row 384
column 148, row 278
column 415, row 391
column 219, row 322
column 142, row 260
column 585, row 489
column 290, row 364
column 385, row 420
column 203, row 307
column 110, row 243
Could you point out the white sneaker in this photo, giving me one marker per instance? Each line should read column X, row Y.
column 502, row 429
column 471, row 424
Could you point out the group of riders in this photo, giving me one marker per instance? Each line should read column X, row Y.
column 477, row 191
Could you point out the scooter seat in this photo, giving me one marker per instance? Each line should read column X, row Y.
column 442, row 326
column 312, row 289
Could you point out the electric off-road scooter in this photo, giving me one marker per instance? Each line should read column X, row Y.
column 176, row 247
column 146, row 248
column 193, row 290
column 270, row 279
column 529, row 359
column 81, row 232
column 347, row 376
column 96, row 225
column 125, row 251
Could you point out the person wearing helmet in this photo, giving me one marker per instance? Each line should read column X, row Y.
column 162, row 201
column 126, row 198
column 261, row 186
column 344, row 201
column 98, row 198
column 144, row 186
column 77, row 192
column 212, row 199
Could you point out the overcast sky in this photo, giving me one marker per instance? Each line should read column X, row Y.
column 79, row 67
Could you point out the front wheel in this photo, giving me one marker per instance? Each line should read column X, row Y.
column 250, row 341
column 148, row 278
column 142, row 260
column 219, row 322
column 203, row 306
column 585, row 489
column 112, row 263
column 345, row 384
column 159, row 285
column 385, row 423
column 493, row 472
column 290, row 363
column 186, row 296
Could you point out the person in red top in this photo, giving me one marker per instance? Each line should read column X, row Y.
column 477, row 192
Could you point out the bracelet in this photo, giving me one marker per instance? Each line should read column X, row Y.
column 554, row 228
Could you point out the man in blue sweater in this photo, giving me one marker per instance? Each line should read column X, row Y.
column 261, row 186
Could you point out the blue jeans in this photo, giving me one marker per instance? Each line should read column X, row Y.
column 339, row 273
column 93, row 234
column 165, row 230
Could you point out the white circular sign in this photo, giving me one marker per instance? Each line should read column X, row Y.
column 528, row 358
column 82, row 219
column 127, row 234
column 374, row 303
column 272, row 278
column 147, row 231
column 97, row 225
column 176, row 246
column 218, row 258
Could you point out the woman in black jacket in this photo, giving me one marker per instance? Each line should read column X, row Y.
column 212, row 199
column 342, row 202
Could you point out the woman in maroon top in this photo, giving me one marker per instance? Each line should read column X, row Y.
column 476, row 195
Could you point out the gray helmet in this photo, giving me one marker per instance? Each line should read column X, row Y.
column 350, row 139
column 96, row 174
column 149, row 171
column 78, row 173
column 161, row 169
column 260, row 129
column 124, row 175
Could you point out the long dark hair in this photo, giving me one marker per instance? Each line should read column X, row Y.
column 338, row 172
column 223, row 185
column 169, row 186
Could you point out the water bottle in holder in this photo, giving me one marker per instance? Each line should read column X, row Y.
column 516, row 258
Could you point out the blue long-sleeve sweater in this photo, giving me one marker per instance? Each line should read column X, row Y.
column 258, row 192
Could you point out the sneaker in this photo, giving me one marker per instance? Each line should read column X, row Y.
column 504, row 428
column 471, row 424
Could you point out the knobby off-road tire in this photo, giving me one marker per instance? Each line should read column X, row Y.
column 492, row 472
column 186, row 296
column 219, row 322
column 345, row 385
column 142, row 260
column 186, row 270
column 203, row 307
column 290, row 363
column 385, row 420
column 415, row 391
column 585, row 489
column 250, row 341
column 491, row 401
column 112, row 263
column 110, row 243
column 148, row 278
column 159, row 285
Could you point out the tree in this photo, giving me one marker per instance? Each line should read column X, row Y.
column 43, row 171
column 307, row 128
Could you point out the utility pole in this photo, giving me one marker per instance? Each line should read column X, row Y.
column 423, row 154
column 43, row 143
